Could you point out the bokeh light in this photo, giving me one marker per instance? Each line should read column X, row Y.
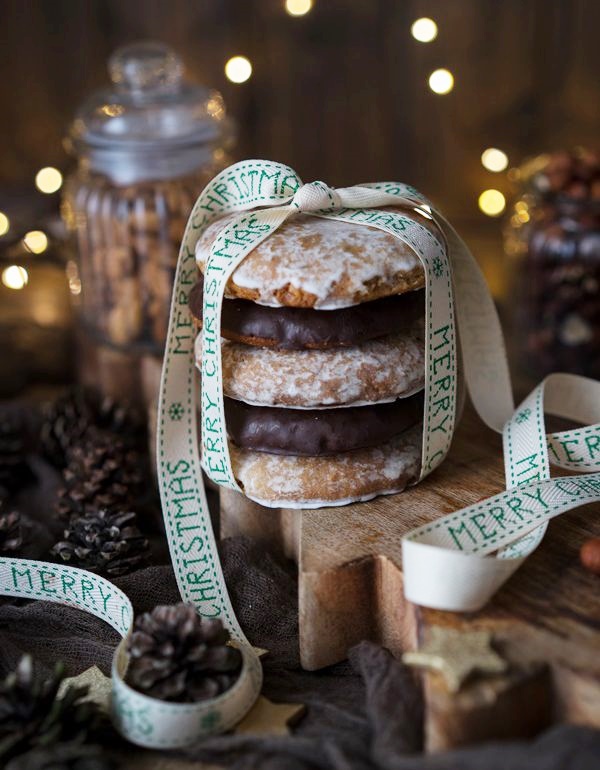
column 424, row 30
column 494, row 159
column 298, row 7
column 48, row 180
column 35, row 241
column 15, row 277
column 441, row 81
column 492, row 202
column 4, row 224
column 238, row 69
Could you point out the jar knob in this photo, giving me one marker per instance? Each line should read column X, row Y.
column 146, row 66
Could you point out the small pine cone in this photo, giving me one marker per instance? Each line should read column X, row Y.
column 65, row 422
column 176, row 655
column 101, row 474
column 78, row 416
column 119, row 420
column 103, row 542
column 12, row 532
column 32, row 716
column 65, row 756
column 14, row 448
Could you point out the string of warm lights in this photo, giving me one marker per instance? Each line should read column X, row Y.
column 48, row 180
column 238, row 69
column 491, row 202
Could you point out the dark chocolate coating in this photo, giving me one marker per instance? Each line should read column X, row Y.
column 294, row 328
column 315, row 432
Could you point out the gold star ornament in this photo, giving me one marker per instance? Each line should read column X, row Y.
column 457, row 655
column 100, row 686
column 268, row 718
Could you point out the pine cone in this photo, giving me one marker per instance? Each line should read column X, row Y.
column 12, row 532
column 65, row 423
column 65, row 756
column 101, row 474
column 178, row 656
column 80, row 415
column 31, row 715
column 120, row 420
column 103, row 542
column 14, row 440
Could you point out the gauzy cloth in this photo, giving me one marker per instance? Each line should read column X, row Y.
column 362, row 715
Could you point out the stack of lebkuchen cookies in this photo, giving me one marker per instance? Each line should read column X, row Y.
column 323, row 362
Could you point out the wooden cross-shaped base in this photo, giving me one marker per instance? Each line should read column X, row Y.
column 545, row 621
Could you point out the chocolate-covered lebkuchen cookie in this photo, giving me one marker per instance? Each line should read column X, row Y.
column 323, row 362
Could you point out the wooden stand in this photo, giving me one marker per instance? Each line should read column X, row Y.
column 545, row 620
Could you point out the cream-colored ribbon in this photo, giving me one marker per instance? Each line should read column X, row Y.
column 456, row 562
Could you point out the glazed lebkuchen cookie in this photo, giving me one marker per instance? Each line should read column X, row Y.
column 323, row 362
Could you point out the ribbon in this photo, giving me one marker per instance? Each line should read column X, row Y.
column 455, row 563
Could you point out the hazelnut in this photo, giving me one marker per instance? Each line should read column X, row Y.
column 589, row 555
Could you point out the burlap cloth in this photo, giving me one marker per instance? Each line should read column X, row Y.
column 364, row 714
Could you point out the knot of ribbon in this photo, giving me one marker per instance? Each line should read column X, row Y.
column 316, row 196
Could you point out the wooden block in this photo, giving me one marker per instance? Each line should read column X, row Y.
column 350, row 588
column 489, row 709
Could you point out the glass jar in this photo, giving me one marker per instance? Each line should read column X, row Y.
column 555, row 234
column 145, row 148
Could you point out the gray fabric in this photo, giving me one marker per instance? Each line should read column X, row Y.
column 362, row 715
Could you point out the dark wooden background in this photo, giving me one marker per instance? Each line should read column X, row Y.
column 341, row 94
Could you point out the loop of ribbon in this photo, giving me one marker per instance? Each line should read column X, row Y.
column 457, row 561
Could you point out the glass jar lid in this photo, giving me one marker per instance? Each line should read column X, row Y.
column 149, row 106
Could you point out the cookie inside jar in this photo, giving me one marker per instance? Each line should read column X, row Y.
column 323, row 356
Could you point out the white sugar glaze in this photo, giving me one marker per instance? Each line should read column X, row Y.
column 376, row 371
column 333, row 261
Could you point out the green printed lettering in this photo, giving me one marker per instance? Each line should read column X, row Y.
column 16, row 573
column 440, row 426
column 186, row 548
column 178, row 486
column 188, row 277
column 213, row 445
column 532, row 466
column 178, row 509
column 270, row 179
column 456, row 532
column 211, row 425
column 590, row 484
column 497, row 513
column 481, row 526
column 208, row 403
column 67, row 585
column 105, row 597
column 568, row 487
column 537, row 496
column 218, row 468
column 290, row 182
column 181, row 529
column 433, row 458
column 222, row 191
column 86, row 588
column 181, row 345
column 570, row 456
column 442, row 404
column 443, row 384
column 444, row 332
column 182, row 465
column 445, row 357
column 47, row 576
column 515, row 504
column 592, row 443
